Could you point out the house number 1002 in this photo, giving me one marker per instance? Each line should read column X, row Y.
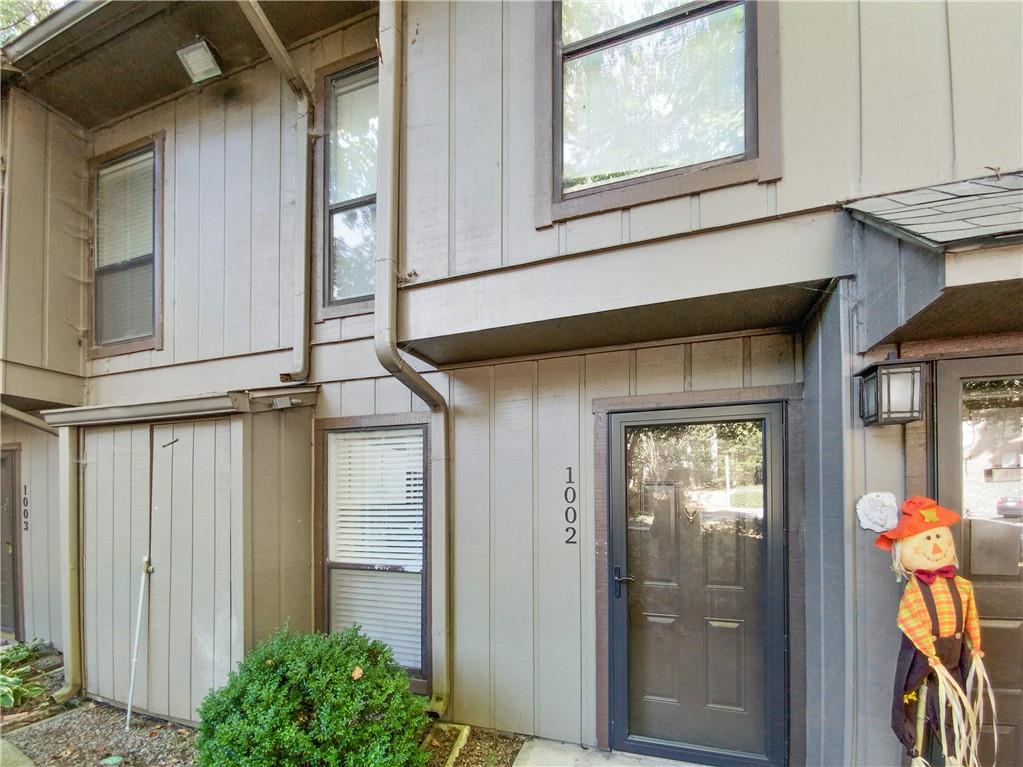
column 571, row 515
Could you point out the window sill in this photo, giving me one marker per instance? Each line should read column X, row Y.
column 338, row 311
column 666, row 185
column 126, row 347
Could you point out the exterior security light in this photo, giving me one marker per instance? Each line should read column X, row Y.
column 199, row 61
column 891, row 392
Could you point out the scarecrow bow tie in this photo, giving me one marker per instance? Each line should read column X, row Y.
column 930, row 576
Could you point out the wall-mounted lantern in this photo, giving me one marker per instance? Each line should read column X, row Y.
column 891, row 392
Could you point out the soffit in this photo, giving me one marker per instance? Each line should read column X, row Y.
column 122, row 56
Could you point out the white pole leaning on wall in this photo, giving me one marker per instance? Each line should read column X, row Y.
column 146, row 570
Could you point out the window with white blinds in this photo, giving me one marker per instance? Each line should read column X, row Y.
column 375, row 509
column 123, row 296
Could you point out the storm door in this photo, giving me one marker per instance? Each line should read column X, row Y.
column 697, row 585
column 979, row 442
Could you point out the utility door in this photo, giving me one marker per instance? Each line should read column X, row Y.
column 10, row 531
column 162, row 491
column 697, row 585
column 979, row 443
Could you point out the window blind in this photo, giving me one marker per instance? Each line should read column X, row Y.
column 375, row 514
column 124, row 276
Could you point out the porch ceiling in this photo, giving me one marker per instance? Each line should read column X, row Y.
column 777, row 306
column 121, row 56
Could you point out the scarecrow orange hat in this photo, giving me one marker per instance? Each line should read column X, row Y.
column 918, row 514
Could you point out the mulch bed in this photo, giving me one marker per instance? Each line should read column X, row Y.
column 85, row 736
column 439, row 745
column 487, row 748
column 48, row 671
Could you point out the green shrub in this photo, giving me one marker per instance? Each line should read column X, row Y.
column 15, row 688
column 305, row 700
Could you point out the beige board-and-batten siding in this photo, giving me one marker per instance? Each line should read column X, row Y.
column 38, row 529
column 221, row 507
column 523, row 601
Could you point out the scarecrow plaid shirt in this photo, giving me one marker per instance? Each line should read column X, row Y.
column 915, row 621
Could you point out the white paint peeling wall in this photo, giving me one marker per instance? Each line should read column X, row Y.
column 36, row 453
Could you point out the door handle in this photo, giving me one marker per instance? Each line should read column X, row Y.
column 618, row 579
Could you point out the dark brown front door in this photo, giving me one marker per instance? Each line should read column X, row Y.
column 10, row 581
column 697, row 558
column 979, row 440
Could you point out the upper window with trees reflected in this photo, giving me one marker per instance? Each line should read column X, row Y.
column 651, row 87
column 351, row 186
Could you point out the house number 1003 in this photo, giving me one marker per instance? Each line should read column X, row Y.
column 571, row 515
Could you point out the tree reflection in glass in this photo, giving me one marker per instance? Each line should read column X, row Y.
column 667, row 99
column 352, row 252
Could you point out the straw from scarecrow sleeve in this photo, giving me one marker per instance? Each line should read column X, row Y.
column 939, row 673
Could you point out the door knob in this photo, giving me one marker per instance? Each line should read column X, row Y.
column 620, row 578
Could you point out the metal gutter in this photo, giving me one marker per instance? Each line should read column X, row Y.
column 31, row 420
column 385, row 323
column 69, row 471
column 279, row 53
column 50, row 27
column 227, row 403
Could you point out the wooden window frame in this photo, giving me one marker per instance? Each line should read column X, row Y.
column 155, row 340
column 760, row 163
column 421, row 684
column 349, row 65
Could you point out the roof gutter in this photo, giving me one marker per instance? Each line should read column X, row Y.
column 385, row 319
column 301, row 322
column 53, row 25
column 25, row 418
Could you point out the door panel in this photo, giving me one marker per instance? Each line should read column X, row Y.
column 979, row 438
column 10, row 522
column 696, row 552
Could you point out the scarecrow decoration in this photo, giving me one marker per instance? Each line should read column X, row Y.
column 940, row 679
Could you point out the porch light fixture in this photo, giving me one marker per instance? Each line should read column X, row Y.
column 199, row 61
column 891, row 392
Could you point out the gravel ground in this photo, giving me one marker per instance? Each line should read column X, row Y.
column 486, row 748
column 89, row 734
column 439, row 745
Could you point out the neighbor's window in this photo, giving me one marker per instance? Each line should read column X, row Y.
column 375, row 510
column 351, row 186
column 124, row 278
column 649, row 86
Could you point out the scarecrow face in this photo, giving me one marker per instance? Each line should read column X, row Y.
column 928, row 550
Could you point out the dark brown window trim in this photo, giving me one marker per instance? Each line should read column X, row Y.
column 793, row 472
column 155, row 341
column 14, row 448
column 761, row 164
column 321, row 221
column 322, row 426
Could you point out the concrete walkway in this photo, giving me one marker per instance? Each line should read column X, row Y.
column 548, row 753
column 12, row 757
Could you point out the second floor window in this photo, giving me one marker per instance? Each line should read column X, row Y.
column 351, row 186
column 650, row 87
column 125, row 258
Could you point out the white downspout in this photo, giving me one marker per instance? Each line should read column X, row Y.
column 300, row 320
column 70, row 561
column 386, row 345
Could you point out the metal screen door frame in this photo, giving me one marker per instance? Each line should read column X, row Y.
column 774, row 596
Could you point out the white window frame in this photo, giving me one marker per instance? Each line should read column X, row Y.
column 154, row 341
column 761, row 162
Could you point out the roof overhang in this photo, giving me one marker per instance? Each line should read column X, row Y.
column 224, row 403
column 97, row 61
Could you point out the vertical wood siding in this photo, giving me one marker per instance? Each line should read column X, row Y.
column 46, row 238
column 523, row 600
column 40, row 551
column 876, row 97
column 180, row 471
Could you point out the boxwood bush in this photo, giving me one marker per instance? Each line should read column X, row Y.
column 313, row 699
